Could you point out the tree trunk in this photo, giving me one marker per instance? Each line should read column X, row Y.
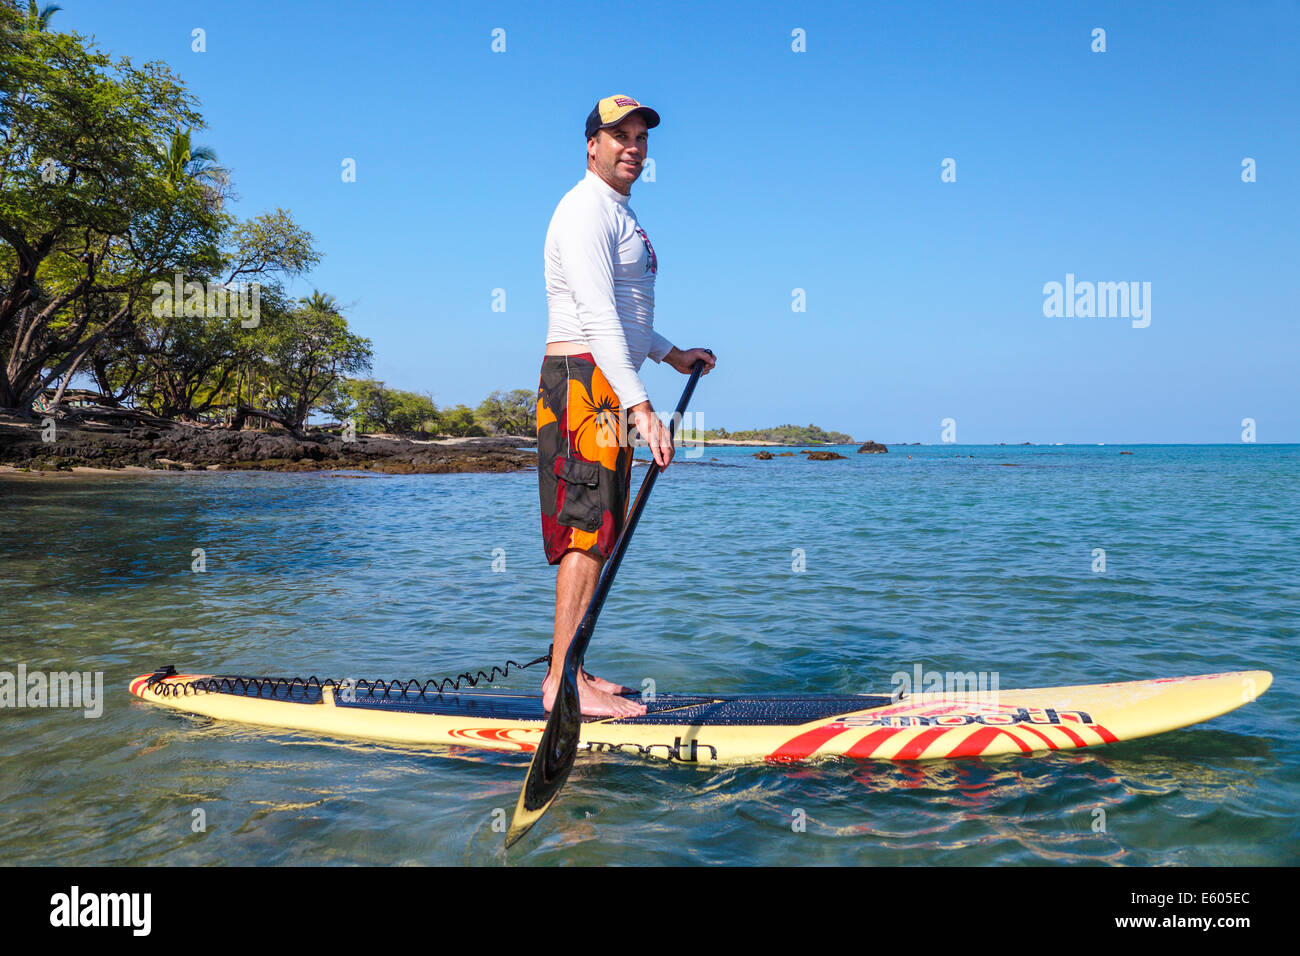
column 58, row 396
column 243, row 411
column 26, row 397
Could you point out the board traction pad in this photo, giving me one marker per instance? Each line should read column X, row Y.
column 694, row 709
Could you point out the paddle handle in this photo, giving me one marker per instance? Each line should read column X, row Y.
column 578, row 647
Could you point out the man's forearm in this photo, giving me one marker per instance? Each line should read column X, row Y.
column 659, row 347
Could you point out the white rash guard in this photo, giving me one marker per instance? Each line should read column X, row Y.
column 600, row 284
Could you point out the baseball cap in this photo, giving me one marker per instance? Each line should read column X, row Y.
column 611, row 110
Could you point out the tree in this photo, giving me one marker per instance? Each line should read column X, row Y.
column 307, row 351
column 188, row 356
column 365, row 401
column 413, row 412
column 510, row 413
column 376, row 408
column 190, row 360
column 458, row 422
column 86, row 214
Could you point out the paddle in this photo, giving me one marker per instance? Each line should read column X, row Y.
column 553, row 758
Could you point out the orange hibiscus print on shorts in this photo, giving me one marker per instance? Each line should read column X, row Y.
column 594, row 421
column 544, row 415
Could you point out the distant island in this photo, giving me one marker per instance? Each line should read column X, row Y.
column 779, row 435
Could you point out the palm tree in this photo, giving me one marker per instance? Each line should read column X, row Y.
column 38, row 20
column 183, row 161
column 321, row 302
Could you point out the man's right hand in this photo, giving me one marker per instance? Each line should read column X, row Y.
column 654, row 432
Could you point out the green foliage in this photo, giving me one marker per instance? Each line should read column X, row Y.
column 305, row 351
column 88, row 218
column 376, row 408
column 413, row 413
column 458, row 422
column 104, row 200
column 363, row 401
column 510, row 413
column 181, row 355
column 273, row 243
column 218, row 343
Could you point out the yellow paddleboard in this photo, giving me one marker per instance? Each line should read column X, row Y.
column 724, row 729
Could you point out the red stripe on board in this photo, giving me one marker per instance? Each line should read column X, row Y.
column 1041, row 736
column 869, row 744
column 1105, row 734
column 916, row 746
column 1077, row 740
column 802, row 747
column 975, row 744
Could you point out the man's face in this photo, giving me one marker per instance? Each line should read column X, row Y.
column 616, row 154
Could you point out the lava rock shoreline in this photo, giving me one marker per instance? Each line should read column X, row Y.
column 160, row 445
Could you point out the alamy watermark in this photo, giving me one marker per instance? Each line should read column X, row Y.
column 212, row 300
column 1102, row 300
column 949, row 685
column 129, row 910
column 687, row 428
column 79, row 689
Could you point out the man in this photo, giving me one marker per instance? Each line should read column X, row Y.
column 600, row 273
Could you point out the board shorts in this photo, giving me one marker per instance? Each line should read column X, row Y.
column 584, row 458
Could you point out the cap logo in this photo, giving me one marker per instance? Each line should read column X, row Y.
column 625, row 101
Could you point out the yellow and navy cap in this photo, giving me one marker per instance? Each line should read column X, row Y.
column 612, row 109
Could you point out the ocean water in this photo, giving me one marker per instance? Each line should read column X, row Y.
column 744, row 576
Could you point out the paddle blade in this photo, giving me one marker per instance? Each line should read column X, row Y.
column 551, row 762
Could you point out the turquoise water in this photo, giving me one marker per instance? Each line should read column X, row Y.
column 961, row 558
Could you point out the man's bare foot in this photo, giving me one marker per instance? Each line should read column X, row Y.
column 609, row 688
column 592, row 701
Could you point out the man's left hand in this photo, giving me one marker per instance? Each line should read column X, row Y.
column 684, row 362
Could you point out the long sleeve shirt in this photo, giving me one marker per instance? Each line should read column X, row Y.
column 600, row 284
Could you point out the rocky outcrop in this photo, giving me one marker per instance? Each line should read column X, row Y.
column 176, row 446
column 872, row 448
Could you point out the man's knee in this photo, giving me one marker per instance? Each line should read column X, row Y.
column 579, row 566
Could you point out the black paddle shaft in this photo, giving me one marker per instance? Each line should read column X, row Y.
column 582, row 637
column 559, row 744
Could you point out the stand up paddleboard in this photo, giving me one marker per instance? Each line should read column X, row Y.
column 722, row 728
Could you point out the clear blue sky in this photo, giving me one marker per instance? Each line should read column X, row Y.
column 779, row 170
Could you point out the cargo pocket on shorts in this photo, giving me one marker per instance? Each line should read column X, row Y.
column 582, row 506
